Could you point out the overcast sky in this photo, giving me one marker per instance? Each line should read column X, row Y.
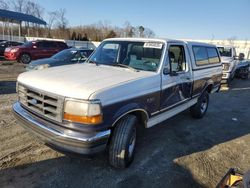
column 196, row 19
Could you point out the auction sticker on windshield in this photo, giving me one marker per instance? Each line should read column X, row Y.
column 152, row 45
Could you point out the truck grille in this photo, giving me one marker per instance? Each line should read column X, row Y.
column 45, row 104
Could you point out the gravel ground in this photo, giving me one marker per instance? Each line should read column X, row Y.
column 180, row 152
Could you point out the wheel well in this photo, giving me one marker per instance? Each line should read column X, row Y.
column 140, row 114
column 209, row 88
column 142, row 117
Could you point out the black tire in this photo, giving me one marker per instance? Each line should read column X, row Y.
column 200, row 108
column 232, row 77
column 25, row 58
column 123, row 141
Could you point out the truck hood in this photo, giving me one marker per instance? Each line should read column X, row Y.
column 80, row 80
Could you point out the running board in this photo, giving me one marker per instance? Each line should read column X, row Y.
column 170, row 113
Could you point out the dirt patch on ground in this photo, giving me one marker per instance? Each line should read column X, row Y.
column 10, row 70
column 181, row 152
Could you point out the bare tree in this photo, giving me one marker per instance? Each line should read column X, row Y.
column 128, row 29
column 51, row 21
column 33, row 9
column 148, row 33
column 111, row 34
column 62, row 21
column 4, row 5
column 19, row 5
column 103, row 30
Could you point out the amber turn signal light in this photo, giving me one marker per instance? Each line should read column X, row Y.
column 83, row 119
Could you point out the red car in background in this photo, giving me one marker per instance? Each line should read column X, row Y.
column 34, row 50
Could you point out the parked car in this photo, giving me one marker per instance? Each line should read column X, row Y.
column 34, row 50
column 65, row 57
column 125, row 84
column 229, row 62
column 243, row 68
column 6, row 44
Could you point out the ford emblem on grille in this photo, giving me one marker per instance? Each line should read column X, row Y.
column 33, row 101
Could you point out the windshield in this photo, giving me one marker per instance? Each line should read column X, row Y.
column 137, row 55
column 65, row 54
column 227, row 52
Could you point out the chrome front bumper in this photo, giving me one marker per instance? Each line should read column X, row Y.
column 59, row 137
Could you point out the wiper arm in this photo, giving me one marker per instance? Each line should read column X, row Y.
column 125, row 66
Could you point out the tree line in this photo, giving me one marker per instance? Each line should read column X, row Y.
column 58, row 25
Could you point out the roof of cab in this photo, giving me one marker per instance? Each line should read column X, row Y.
column 142, row 39
column 225, row 46
column 192, row 43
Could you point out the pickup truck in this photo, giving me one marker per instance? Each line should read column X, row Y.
column 229, row 62
column 127, row 84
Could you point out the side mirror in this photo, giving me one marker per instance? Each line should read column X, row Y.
column 166, row 71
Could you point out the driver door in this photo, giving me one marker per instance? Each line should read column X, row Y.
column 176, row 82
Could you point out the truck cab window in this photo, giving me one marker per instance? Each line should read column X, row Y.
column 200, row 55
column 177, row 58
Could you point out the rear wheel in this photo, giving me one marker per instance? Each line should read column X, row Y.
column 123, row 141
column 25, row 58
column 200, row 108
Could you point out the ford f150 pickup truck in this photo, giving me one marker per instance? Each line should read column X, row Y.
column 229, row 62
column 125, row 84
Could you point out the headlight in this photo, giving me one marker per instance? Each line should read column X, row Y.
column 40, row 67
column 225, row 66
column 86, row 112
column 14, row 50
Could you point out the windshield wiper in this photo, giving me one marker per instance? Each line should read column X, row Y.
column 125, row 66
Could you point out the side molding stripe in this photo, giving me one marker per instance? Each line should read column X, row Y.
column 168, row 114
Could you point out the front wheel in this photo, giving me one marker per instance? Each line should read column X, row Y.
column 123, row 141
column 25, row 58
column 200, row 108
